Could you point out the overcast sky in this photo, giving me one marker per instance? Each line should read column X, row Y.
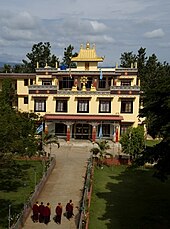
column 115, row 26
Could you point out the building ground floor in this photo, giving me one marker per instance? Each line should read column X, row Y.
column 89, row 127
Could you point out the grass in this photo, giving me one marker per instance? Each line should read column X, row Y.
column 17, row 183
column 152, row 142
column 125, row 198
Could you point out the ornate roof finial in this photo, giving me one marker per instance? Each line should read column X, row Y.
column 88, row 45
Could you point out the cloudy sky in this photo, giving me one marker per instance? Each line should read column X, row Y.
column 115, row 26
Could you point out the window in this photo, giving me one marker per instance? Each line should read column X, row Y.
column 83, row 106
column 110, row 81
column 104, row 129
column 89, row 82
column 102, row 83
column 86, row 66
column 66, row 83
column 40, row 105
column 61, row 106
column 31, row 81
column 46, row 82
column 126, row 106
column 104, row 106
column 26, row 100
column 124, row 128
column 125, row 82
column 25, row 82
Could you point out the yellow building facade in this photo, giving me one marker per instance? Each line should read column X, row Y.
column 86, row 102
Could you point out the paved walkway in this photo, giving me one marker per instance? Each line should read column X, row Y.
column 65, row 183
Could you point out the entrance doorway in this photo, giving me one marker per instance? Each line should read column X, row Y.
column 60, row 129
column 82, row 131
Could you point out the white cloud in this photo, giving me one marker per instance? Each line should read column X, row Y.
column 114, row 26
column 99, row 27
column 157, row 33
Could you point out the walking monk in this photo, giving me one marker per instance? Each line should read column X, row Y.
column 47, row 213
column 35, row 212
column 41, row 212
column 58, row 211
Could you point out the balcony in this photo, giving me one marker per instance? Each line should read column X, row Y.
column 134, row 90
column 79, row 92
column 42, row 89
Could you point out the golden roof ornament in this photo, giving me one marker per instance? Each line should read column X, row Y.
column 83, row 80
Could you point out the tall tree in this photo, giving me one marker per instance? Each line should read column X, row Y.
column 68, row 54
column 7, row 68
column 157, row 112
column 127, row 58
column 17, row 129
column 40, row 53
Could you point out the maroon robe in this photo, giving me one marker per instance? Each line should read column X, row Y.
column 35, row 212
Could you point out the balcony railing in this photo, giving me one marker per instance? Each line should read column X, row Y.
column 79, row 92
column 125, row 88
column 42, row 87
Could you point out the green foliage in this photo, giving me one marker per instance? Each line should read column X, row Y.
column 7, row 68
column 155, row 88
column 133, row 141
column 17, row 129
column 40, row 53
column 68, row 54
column 100, row 151
column 50, row 138
column 17, row 183
column 127, row 58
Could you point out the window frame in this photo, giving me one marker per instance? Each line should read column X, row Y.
column 25, row 99
column 47, row 82
column 39, row 105
column 125, row 82
column 83, row 102
column 126, row 107
column 102, row 83
column 104, row 103
column 59, row 108
column 26, row 82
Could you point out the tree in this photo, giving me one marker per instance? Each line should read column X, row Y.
column 40, row 53
column 50, row 138
column 68, row 54
column 7, row 68
column 101, row 151
column 127, row 58
column 17, row 129
column 156, row 111
column 133, row 141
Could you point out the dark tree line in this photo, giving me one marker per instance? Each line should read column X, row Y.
column 41, row 54
column 155, row 86
column 17, row 132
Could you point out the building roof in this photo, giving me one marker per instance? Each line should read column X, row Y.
column 87, row 54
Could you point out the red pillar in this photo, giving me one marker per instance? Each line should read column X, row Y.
column 117, row 134
column 94, row 134
column 68, row 133
column 46, row 129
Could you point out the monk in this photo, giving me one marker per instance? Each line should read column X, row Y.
column 58, row 211
column 69, row 209
column 41, row 212
column 47, row 213
column 35, row 212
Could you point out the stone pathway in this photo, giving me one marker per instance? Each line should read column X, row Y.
column 65, row 183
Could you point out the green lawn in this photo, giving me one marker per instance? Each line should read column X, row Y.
column 17, row 183
column 129, row 199
column 152, row 142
